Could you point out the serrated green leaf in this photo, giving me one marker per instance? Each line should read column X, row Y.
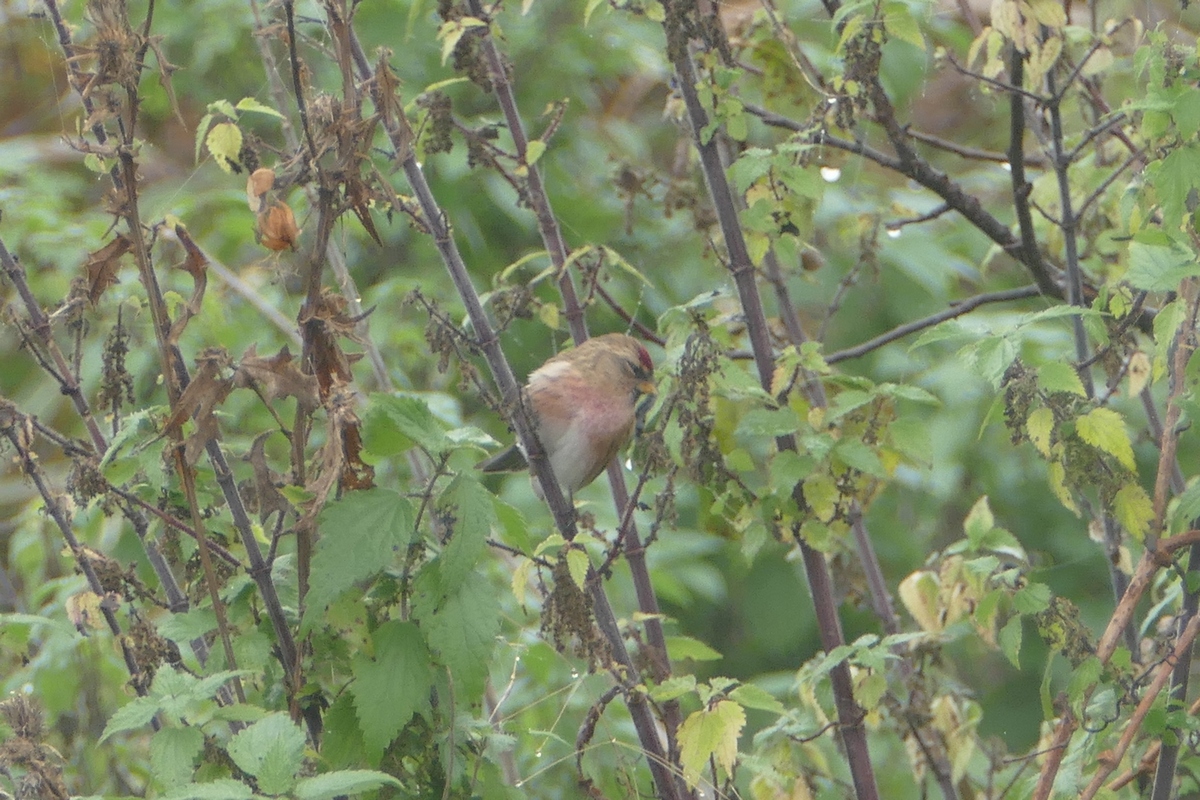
column 1040, row 426
column 393, row 423
column 394, row 685
column 347, row 782
column 135, row 714
column 710, row 733
column 673, row 688
column 1033, row 598
column 173, row 753
column 769, row 422
column 1060, row 376
column 250, row 104
column 470, row 507
column 1159, row 268
column 460, row 627
column 224, row 789
column 1134, row 510
column 1083, row 678
column 224, row 141
column 750, row 696
column 361, row 534
column 1010, row 641
column 271, row 750
column 577, row 564
column 681, row 647
column 858, row 455
column 979, row 521
column 1104, row 429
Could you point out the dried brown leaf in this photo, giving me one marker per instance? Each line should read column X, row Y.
column 207, row 390
column 277, row 228
column 266, row 481
column 260, row 182
column 102, row 265
column 277, row 376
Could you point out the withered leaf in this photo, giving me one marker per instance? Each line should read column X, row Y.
column 102, row 265
column 360, row 201
column 338, row 458
column 207, row 390
column 270, row 499
column 196, row 265
column 277, row 228
column 277, row 376
column 261, row 181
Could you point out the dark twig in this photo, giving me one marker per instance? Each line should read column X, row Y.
column 958, row 309
column 741, row 268
column 968, row 152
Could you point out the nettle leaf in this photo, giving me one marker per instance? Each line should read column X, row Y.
column 250, row 104
column 271, row 750
column 460, row 626
column 1174, row 181
column 394, row 423
column 1010, row 641
column 394, row 685
column 361, row 534
column 173, row 753
column 1040, row 426
column 224, row 789
column 750, row 696
column 1060, row 376
column 710, row 733
column 1104, row 429
column 673, row 688
column 224, row 141
column 471, row 507
column 1160, row 265
column 344, row 782
column 578, row 564
column 1134, row 510
column 1166, row 323
column 681, row 647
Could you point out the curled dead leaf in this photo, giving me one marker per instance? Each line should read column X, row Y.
column 277, row 228
column 260, row 182
column 102, row 265
column 277, row 376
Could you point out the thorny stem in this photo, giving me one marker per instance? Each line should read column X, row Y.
column 741, row 268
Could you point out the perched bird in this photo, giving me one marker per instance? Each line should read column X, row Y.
column 586, row 403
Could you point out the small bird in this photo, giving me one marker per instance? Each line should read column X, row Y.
column 587, row 403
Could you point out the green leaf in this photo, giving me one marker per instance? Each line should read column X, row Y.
column 979, row 521
column 1083, row 678
column 710, row 733
column 250, row 104
column 137, row 713
column 681, row 647
column 361, row 534
column 1159, row 268
column 858, row 455
column 1134, row 510
column 673, row 688
column 173, row 753
column 392, row 423
column 1033, row 598
column 271, row 750
column 1174, row 179
column 224, row 141
column 750, row 696
column 1010, row 641
column 343, row 782
column 460, row 626
column 769, row 422
column 225, row 789
column 1060, row 376
column 394, row 685
column 534, row 151
column 578, row 564
column 1040, row 426
column 1104, row 429
column 470, row 507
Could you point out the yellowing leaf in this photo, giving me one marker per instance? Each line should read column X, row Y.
column 520, row 580
column 577, row 564
column 821, row 494
column 1133, row 509
column 1049, row 12
column 534, row 151
column 1139, row 373
column 710, row 733
column 919, row 593
column 1058, row 484
column 1040, row 426
column 1104, row 429
column 250, row 104
column 224, row 142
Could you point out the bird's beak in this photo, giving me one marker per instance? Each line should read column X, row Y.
column 647, row 393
